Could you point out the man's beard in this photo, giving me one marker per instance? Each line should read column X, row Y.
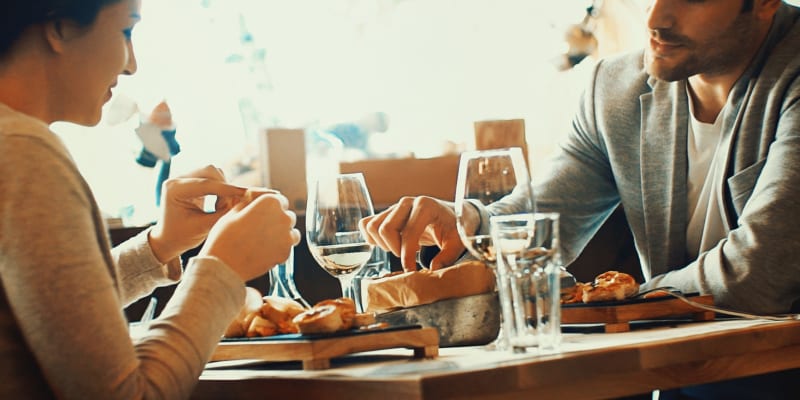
column 715, row 56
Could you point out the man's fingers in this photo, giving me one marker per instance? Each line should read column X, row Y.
column 372, row 225
column 364, row 228
column 419, row 218
column 392, row 228
column 408, row 256
column 451, row 250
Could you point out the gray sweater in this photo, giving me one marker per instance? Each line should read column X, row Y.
column 628, row 146
column 62, row 329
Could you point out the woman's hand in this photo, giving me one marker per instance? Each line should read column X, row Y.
column 414, row 222
column 254, row 236
column 184, row 224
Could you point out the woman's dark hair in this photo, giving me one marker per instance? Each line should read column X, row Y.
column 18, row 15
column 747, row 6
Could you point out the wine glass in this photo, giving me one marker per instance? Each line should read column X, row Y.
column 335, row 205
column 485, row 177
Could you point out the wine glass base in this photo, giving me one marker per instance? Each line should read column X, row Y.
column 498, row 344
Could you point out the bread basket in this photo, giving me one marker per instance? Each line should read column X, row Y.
column 461, row 321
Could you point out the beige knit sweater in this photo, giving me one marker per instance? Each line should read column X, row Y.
column 62, row 329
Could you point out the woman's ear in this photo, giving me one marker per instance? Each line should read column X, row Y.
column 54, row 35
column 766, row 9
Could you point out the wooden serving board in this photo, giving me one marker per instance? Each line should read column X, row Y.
column 616, row 316
column 317, row 351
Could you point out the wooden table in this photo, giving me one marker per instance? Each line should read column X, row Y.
column 590, row 366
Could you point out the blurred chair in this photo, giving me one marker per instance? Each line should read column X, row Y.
column 498, row 134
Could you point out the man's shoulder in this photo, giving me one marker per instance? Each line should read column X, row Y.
column 623, row 72
column 620, row 80
column 782, row 45
column 787, row 46
column 629, row 63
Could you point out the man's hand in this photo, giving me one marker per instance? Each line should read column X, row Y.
column 414, row 222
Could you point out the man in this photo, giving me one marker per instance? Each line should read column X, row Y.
column 697, row 137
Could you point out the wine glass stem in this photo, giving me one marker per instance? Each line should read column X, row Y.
column 347, row 286
column 507, row 314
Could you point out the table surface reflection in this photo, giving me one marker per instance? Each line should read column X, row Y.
column 591, row 365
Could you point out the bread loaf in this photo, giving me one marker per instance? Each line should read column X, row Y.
column 408, row 289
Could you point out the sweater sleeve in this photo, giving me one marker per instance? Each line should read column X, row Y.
column 62, row 287
column 140, row 270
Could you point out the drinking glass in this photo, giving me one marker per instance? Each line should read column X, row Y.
column 377, row 266
column 486, row 176
column 335, row 205
column 527, row 246
column 281, row 281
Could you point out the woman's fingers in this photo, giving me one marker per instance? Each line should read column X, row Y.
column 207, row 172
column 188, row 188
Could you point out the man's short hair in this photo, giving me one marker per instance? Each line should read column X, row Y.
column 747, row 6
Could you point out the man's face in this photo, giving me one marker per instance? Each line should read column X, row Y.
column 691, row 37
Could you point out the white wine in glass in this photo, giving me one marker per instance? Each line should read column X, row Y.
column 335, row 205
column 486, row 177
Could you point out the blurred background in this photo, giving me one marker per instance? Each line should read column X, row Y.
column 382, row 78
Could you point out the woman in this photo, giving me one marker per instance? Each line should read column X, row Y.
column 62, row 329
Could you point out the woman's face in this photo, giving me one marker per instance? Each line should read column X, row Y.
column 92, row 59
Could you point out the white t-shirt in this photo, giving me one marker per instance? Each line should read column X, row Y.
column 708, row 147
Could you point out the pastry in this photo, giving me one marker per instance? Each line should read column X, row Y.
column 319, row 319
column 347, row 309
column 574, row 294
column 252, row 304
column 264, row 316
column 260, row 326
column 610, row 286
column 363, row 319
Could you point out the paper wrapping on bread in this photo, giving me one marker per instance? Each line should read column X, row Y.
column 408, row 289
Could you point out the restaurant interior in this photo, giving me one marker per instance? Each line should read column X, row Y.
column 277, row 93
column 380, row 57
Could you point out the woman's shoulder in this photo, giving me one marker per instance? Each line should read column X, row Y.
column 22, row 130
column 13, row 122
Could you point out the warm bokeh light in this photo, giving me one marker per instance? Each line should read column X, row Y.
column 434, row 66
